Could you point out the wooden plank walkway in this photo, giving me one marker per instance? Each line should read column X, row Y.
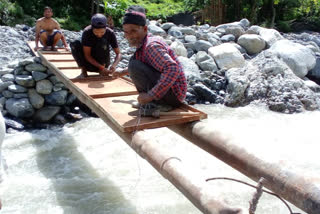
column 109, row 98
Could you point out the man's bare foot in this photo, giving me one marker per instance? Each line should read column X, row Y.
column 84, row 73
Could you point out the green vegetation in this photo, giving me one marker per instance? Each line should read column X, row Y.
column 75, row 14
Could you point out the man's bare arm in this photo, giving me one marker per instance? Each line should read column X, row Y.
column 63, row 38
column 116, row 60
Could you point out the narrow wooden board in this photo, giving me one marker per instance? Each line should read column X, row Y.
column 71, row 73
column 120, row 111
column 58, row 57
column 65, row 65
column 106, row 88
column 32, row 45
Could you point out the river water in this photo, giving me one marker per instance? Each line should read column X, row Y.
column 85, row 168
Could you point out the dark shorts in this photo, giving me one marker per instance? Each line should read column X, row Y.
column 50, row 38
column 100, row 54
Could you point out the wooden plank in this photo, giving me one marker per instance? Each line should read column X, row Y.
column 65, row 65
column 117, row 108
column 106, row 88
column 127, row 119
column 32, row 45
column 59, row 57
column 71, row 73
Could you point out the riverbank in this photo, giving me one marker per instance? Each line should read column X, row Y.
column 234, row 64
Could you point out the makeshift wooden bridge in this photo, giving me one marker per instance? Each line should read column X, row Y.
column 111, row 101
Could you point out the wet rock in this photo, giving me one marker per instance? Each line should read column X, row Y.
column 20, row 108
column 35, row 67
column 46, row 113
column 57, row 98
column 25, row 81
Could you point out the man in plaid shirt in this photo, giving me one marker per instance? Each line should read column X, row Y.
column 154, row 67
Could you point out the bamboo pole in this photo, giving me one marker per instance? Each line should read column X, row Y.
column 292, row 187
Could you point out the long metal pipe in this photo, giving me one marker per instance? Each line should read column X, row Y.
column 292, row 187
column 168, row 166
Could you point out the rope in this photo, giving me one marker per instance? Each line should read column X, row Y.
column 271, row 193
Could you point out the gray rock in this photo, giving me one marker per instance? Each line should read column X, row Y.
column 25, row 80
column 54, row 80
column 6, row 71
column 202, row 45
column 228, row 38
column 190, row 38
column 299, row 58
column 44, row 86
column 179, row 48
column 236, row 87
column 37, row 76
column 71, row 99
column 175, row 31
column 26, row 62
column 188, row 31
column 270, row 36
column 4, row 85
column 7, row 78
column 226, row 56
column 57, row 98
column 17, row 88
column 236, row 31
column 202, row 56
column 7, row 94
column 46, row 113
column 155, row 30
column 35, row 67
column 214, row 41
column 244, row 23
column 20, row 108
column 167, row 25
column 36, row 100
column 20, row 95
column 252, row 43
column 190, row 67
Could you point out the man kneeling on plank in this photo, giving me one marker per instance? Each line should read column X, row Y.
column 48, row 31
column 154, row 67
column 93, row 52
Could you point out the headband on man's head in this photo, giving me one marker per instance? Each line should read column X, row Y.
column 135, row 15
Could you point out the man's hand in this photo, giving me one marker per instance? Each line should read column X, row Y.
column 67, row 48
column 144, row 98
column 119, row 73
column 112, row 68
column 105, row 72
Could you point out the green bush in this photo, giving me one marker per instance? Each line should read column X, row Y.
column 284, row 26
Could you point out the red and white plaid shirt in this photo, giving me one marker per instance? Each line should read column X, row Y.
column 156, row 53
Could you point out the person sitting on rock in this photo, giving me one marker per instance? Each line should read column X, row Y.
column 92, row 53
column 48, row 31
column 154, row 68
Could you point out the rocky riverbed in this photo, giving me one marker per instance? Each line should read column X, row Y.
column 235, row 64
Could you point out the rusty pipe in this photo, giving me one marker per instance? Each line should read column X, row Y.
column 292, row 187
column 172, row 168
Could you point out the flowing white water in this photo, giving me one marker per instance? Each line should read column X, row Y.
column 86, row 168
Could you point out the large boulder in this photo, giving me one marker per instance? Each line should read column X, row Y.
column 252, row 43
column 298, row 57
column 226, row 56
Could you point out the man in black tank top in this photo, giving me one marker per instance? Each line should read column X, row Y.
column 93, row 52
